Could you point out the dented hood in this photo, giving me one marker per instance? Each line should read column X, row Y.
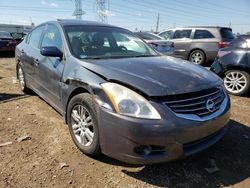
column 155, row 76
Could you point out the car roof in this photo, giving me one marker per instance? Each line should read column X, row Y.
column 65, row 22
column 198, row 27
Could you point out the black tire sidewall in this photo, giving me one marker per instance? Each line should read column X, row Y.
column 247, row 88
column 88, row 102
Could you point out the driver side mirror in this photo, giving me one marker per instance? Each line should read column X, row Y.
column 51, row 51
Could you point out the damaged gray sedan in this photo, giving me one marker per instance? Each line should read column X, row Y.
column 119, row 96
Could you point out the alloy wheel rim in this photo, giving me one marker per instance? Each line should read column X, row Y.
column 21, row 78
column 197, row 58
column 82, row 125
column 235, row 82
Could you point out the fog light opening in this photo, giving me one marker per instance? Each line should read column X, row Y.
column 143, row 150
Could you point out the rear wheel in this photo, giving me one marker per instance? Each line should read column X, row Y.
column 22, row 80
column 197, row 57
column 83, row 124
column 237, row 82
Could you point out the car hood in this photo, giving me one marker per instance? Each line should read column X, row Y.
column 155, row 76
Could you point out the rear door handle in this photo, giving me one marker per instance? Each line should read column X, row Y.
column 36, row 62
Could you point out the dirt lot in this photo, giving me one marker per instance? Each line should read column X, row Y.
column 50, row 158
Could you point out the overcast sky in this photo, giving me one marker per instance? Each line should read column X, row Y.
column 132, row 14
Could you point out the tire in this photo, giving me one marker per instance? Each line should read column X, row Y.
column 22, row 80
column 80, row 106
column 197, row 57
column 237, row 82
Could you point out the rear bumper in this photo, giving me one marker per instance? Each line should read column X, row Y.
column 216, row 67
column 170, row 138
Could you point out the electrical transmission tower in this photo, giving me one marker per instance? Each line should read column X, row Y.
column 78, row 12
column 101, row 11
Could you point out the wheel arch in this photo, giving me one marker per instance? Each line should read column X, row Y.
column 73, row 93
column 240, row 68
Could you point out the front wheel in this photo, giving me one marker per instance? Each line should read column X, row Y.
column 237, row 82
column 197, row 57
column 83, row 124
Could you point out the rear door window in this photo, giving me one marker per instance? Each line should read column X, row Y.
column 203, row 34
column 226, row 33
column 179, row 34
column 34, row 37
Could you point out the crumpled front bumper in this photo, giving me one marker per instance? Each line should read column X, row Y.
column 169, row 138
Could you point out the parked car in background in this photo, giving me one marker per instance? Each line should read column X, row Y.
column 233, row 65
column 18, row 36
column 198, row 44
column 161, row 45
column 7, row 42
column 126, row 101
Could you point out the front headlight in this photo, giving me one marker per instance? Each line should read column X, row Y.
column 128, row 102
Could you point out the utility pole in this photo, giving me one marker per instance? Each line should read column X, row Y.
column 157, row 23
column 101, row 11
column 78, row 12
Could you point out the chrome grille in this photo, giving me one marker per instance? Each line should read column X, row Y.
column 196, row 103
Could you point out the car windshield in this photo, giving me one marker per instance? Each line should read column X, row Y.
column 4, row 34
column 98, row 42
column 148, row 36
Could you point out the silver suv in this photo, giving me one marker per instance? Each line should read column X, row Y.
column 198, row 44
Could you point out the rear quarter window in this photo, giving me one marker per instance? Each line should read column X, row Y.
column 226, row 33
column 166, row 34
column 148, row 36
column 203, row 34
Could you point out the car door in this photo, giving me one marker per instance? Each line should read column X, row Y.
column 29, row 51
column 49, row 70
column 182, row 41
column 204, row 40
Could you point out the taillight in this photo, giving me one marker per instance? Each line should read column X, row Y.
column 222, row 44
column 154, row 45
column 12, row 42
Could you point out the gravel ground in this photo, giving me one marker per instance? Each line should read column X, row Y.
column 46, row 156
